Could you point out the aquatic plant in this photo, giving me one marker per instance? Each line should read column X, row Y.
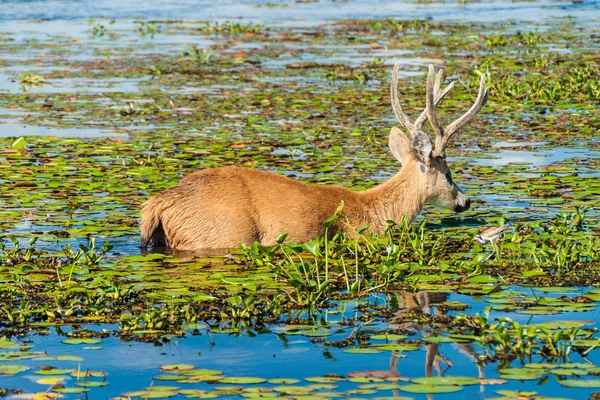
column 102, row 28
column 196, row 55
column 32, row 79
column 149, row 28
column 265, row 102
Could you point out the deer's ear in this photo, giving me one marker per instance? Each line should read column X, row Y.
column 399, row 144
column 422, row 147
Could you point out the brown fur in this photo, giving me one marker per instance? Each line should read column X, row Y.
column 222, row 207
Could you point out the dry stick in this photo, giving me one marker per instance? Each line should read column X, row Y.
column 212, row 341
column 149, row 389
column 356, row 330
column 592, row 348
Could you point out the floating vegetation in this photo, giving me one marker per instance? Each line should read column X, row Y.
column 335, row 317
column 31, row 79
column 198, row 56
column 149, row 28
column 102, row 27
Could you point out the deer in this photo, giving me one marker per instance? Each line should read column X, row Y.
column 223, row 207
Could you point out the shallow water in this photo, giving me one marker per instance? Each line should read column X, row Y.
column 536, row 158
column 283, row 12
column 282, row 354
column 275, row 352
column 17, row 130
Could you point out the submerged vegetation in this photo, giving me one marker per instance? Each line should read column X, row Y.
column 146, row 102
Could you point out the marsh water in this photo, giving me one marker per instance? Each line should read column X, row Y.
column 116, row 100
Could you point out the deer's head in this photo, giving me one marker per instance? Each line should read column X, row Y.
column 426, row 165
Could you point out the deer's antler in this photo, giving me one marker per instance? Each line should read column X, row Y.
column 402, row 118
column 444, row 135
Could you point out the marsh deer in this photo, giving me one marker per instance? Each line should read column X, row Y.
column 222, row 207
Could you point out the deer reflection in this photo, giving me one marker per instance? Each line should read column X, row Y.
column 410, row 307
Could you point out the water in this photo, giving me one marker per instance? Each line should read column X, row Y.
column 536, row 158
column 281, row 354
column 286, row 12
column 16, row 130
column 274, row 352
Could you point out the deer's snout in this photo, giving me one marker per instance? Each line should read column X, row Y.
column 464, row 206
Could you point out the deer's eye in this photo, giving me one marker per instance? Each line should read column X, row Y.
column 449, row 178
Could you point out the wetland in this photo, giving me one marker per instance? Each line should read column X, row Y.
column 101, row 106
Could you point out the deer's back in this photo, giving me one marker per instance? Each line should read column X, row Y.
column 222, row 207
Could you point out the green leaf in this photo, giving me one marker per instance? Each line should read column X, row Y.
column 330, row 221
column 447, row 380
column 176, row 367
column 202, row 297
column 12, row 369
column 243, row 380
column 283, row 381
column 19, row 144
column 363, row 350
column 313, row 247
column 430, row 388
column 281, row 238
column 581, row 383
column 390, row 337
column 82, row 341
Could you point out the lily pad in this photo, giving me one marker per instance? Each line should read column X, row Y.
column 53, row 371
column 13, row 369
column 293, row 390
column 283, row 381
column 243, row 380
column 390, row 337
column 447, row 380
column 50, row 381
column 581, row 383
column 363, row 350
column 177, row 367
column 430, row 389
column 82, row 341
column 66, row 390
column 325, row 379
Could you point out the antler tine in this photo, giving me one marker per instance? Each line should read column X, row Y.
column 402, row 118
column 451, row 129
column 482, row 98
column 439, row 96
column 430, row 103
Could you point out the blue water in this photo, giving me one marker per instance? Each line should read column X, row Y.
column 284, row 12
column 131, row 366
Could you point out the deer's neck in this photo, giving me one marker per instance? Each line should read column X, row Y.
column 403, row 195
